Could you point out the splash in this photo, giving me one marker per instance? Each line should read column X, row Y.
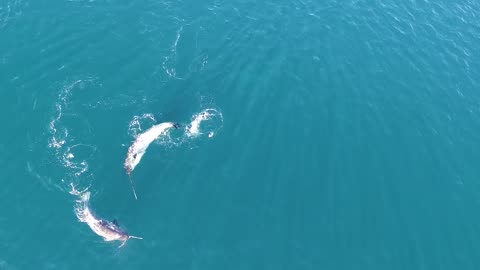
column 81, row 205
column 207, row 122
column 82, row 210
column 76, row 192
column 136, row 125
column 75, row 158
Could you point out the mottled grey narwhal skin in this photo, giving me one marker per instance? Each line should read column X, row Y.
column 140, row 145
column 109, row 231
column 111, row 228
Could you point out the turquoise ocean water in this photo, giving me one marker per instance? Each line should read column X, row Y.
column 341, row 134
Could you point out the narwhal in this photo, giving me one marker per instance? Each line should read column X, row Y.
column 109, row 231
column 140, row 145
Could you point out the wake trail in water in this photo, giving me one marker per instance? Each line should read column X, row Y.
column 70, row 154
column 167, row 64
column 81, row 209
column 73, row 157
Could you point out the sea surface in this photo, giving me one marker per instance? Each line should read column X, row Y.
column 313, row 134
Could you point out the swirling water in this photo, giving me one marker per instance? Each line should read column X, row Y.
column 335, row 134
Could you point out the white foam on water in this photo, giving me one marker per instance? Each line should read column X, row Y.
column 82, row 211
column 170, row 139
column 77, row 163
column 59, row 134
column 70, row 155
column 81, row 205
column 137, row 124
column 207, row 122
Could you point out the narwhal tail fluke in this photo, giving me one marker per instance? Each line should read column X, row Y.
column 134, row 237
column 133, row 186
